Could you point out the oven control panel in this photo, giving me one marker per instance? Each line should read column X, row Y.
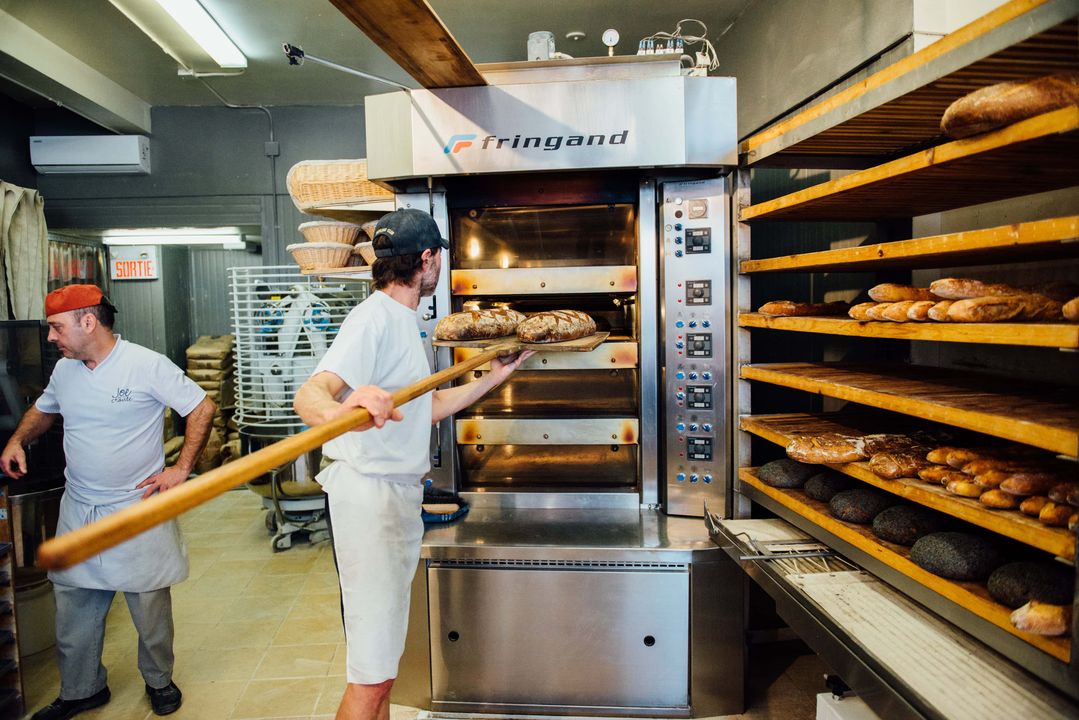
column 694, row 226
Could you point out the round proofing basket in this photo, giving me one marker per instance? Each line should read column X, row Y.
column 317, row 256
column 316, row 183
column 366, row 251
column 328, row 231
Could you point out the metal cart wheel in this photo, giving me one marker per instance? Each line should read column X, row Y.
column 281, row 542
column 271, row 521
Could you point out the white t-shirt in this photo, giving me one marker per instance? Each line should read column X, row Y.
column 379, row 344
column 114, row 417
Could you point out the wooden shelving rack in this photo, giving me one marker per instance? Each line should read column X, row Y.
column 888, row 126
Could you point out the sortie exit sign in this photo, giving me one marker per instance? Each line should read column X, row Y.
column 135, row 262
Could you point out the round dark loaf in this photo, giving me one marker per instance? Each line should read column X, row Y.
column 1018, row 583
column 860, row 505
column 785, row 473
column 905, row 524
column 824, row 485
column 957, row 555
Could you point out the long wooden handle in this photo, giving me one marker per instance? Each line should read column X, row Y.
column 72, row 548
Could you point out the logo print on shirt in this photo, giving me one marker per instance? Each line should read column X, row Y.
column 122, row 395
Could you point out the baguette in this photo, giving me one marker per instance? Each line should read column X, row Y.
column 1071, row 310
column 999, row 500
column 939, row 312
column 790, row 308
column 1005, row 103
column 891, row 292
column 989, row 308
column 897, row 311
column 1043, row 619
column 919, row 310
column 877, row 311
column 478, row 324
column 1040, row 307
column 965, row 288
column 1033, row 505
column 858, row 312
column 985, row 464
column 556, row 326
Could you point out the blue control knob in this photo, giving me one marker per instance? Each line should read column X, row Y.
column 681, row 477
column 706, row 375
column 680, row 427
column 693, row 427
column 679, row 324
column 693, row 376
column 707, row 479
column 428, row 482
column 680, row 395
column 678, row 253
column 707, row 427
column 678, row 226
column 679, row 344
column 693, row 323
column 680, row 375
column 706, row 323
column 678, row 240
column 693, row 478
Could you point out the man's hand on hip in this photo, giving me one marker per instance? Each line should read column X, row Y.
column 376, row 401
column 167, row 479
column 13, row 460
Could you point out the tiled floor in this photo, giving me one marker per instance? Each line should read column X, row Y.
column 258, row 635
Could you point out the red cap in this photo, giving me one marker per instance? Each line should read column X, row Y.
column 73, row 297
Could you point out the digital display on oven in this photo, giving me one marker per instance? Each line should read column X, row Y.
column 698, row 240
column 699, row 397
column 699, row 345
column 699, row 448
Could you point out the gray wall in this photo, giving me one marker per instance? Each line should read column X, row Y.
column 785, row 51
column 210, row 304
column 15, row 130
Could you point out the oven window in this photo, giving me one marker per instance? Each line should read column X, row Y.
column 526, row 237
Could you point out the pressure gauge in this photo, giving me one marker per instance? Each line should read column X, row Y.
column 610, row 39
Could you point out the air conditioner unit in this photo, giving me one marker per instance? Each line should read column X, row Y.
column 91, row 154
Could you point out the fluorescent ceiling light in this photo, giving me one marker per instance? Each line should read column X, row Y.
column 185, row 31
column 230, row 237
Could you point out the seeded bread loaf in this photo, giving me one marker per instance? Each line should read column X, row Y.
column 785, row 473
column 904, row 524
column 478, row 324
column 957, row 555
column 556, row 326
column 860, row 505
column 823, row 486
column 1018, row 583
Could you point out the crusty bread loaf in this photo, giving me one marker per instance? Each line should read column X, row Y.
column 1005, row 103
column 935, row 473
column 1033, row 505
column 939, row 312
column 556, row 326
column 892, row 292
column 939, row 455
column 1043, row 619
column 984, row 465
column 992, row 478
column 897, row 311
column 827, row 448
column 919, row 310
column 960, row 457
column 1040, row 307
column 990, row 308
column 877, row 311
column 790, row 308
column 964, row 488
column 858, row 312
column 1071, row 310
column 1055, row 514
column 963, row 288
column 999, row 500
column 1030, row 483
column 478, row 324
column 901, row 464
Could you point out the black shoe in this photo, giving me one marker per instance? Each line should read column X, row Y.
column 60, row 709
column 165, row 700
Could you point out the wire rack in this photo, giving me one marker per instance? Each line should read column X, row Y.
column 283, row 323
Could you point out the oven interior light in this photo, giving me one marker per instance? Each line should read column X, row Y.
column 473, row 248
column 504, row 260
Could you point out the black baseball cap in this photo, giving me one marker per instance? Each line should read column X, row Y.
column 410, row 232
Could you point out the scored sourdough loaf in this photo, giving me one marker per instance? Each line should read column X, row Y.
column 478, row 324
column 1005, row 103
column 556, row 326
column 891, row 292
column 790, row 308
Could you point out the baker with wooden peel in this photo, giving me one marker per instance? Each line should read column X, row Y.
column 112, row 396
column 375, row 482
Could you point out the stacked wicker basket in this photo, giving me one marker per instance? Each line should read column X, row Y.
column 332, row 187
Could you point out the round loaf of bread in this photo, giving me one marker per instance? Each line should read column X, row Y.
column 957, row 555
column 860, row 505
column 785, row 473
column 824, row 485
column 478, row 324
column 905, row 524
column 556, row 326
column 1046, row 581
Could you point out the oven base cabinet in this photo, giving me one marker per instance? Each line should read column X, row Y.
column 606, row 638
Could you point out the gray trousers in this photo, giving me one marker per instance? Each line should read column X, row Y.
column 80, row 637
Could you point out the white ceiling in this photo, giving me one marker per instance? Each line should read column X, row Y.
column 94, row 32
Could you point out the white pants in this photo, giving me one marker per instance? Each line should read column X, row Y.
column 377, row 533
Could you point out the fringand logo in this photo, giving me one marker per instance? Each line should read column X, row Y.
column 457, row 143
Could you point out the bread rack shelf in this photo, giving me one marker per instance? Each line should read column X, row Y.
column 1040, row 153
column 1041, row 334
column 358, row 213
column 972, row 597
column 899, row 107
column 780, row 429
column 1021, row 242
column 360, row 272
column 1044, row 417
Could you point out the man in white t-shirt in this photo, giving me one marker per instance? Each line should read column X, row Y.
column 374, row 485
column 112, row 396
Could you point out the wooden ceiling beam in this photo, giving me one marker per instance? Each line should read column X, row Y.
column 414, row 37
